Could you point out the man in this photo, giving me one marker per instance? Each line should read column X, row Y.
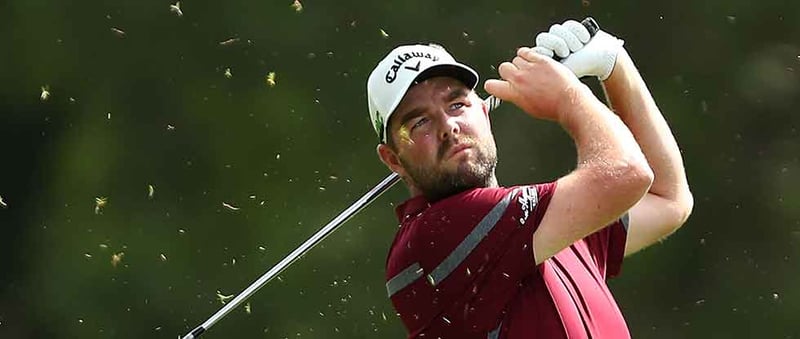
column 476, row 260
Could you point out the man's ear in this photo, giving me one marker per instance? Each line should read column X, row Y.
column 390, row 158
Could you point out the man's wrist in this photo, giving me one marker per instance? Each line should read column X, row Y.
column 624, row 81
column 618, row 73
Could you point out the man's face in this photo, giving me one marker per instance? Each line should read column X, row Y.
column 442, row 138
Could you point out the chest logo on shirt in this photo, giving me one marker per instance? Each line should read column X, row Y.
column 527, row 200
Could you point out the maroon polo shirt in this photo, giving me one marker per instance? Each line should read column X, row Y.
column 463, row 267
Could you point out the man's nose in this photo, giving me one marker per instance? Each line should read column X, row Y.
column 449, row 126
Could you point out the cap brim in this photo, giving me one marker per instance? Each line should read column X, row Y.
column 464, row 74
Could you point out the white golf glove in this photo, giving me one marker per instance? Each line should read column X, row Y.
column 583, row 54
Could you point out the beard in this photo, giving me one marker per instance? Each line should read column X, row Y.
column 437, row 182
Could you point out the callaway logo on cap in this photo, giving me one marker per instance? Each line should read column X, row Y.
column 402, row 68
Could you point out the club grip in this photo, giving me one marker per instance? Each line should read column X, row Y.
column 590, row 25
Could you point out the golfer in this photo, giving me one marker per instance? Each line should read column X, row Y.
column 473, row 259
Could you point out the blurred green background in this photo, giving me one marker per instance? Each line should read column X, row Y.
column 138, row 97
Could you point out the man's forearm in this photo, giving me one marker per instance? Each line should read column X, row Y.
column 631, row 100
column 600, row 137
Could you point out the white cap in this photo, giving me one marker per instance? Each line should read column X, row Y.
column 402, row 68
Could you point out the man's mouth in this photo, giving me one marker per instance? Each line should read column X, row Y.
column 459, row 149
column 456, row 149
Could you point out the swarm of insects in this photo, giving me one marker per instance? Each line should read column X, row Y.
column 176, row 8
column 45, row 93
column 298, row 7
column 99, row 204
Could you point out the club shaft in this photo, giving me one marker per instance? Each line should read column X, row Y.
column 340, row 219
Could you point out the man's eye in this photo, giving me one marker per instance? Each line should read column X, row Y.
column 457, row 105
column 420, row 122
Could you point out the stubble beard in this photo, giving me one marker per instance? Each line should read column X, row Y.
column 436, row 182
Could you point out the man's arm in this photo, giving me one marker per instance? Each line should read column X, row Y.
column 612, row 173
column 668, row 203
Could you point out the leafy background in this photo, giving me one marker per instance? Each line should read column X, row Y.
column 153, row 106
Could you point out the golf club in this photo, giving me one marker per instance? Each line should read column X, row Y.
column 491, row 102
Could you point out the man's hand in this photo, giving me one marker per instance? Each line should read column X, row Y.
column 583, row 55
column 537, row 84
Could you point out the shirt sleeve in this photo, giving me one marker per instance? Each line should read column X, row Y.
column 488, row 265
column 607, row 247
